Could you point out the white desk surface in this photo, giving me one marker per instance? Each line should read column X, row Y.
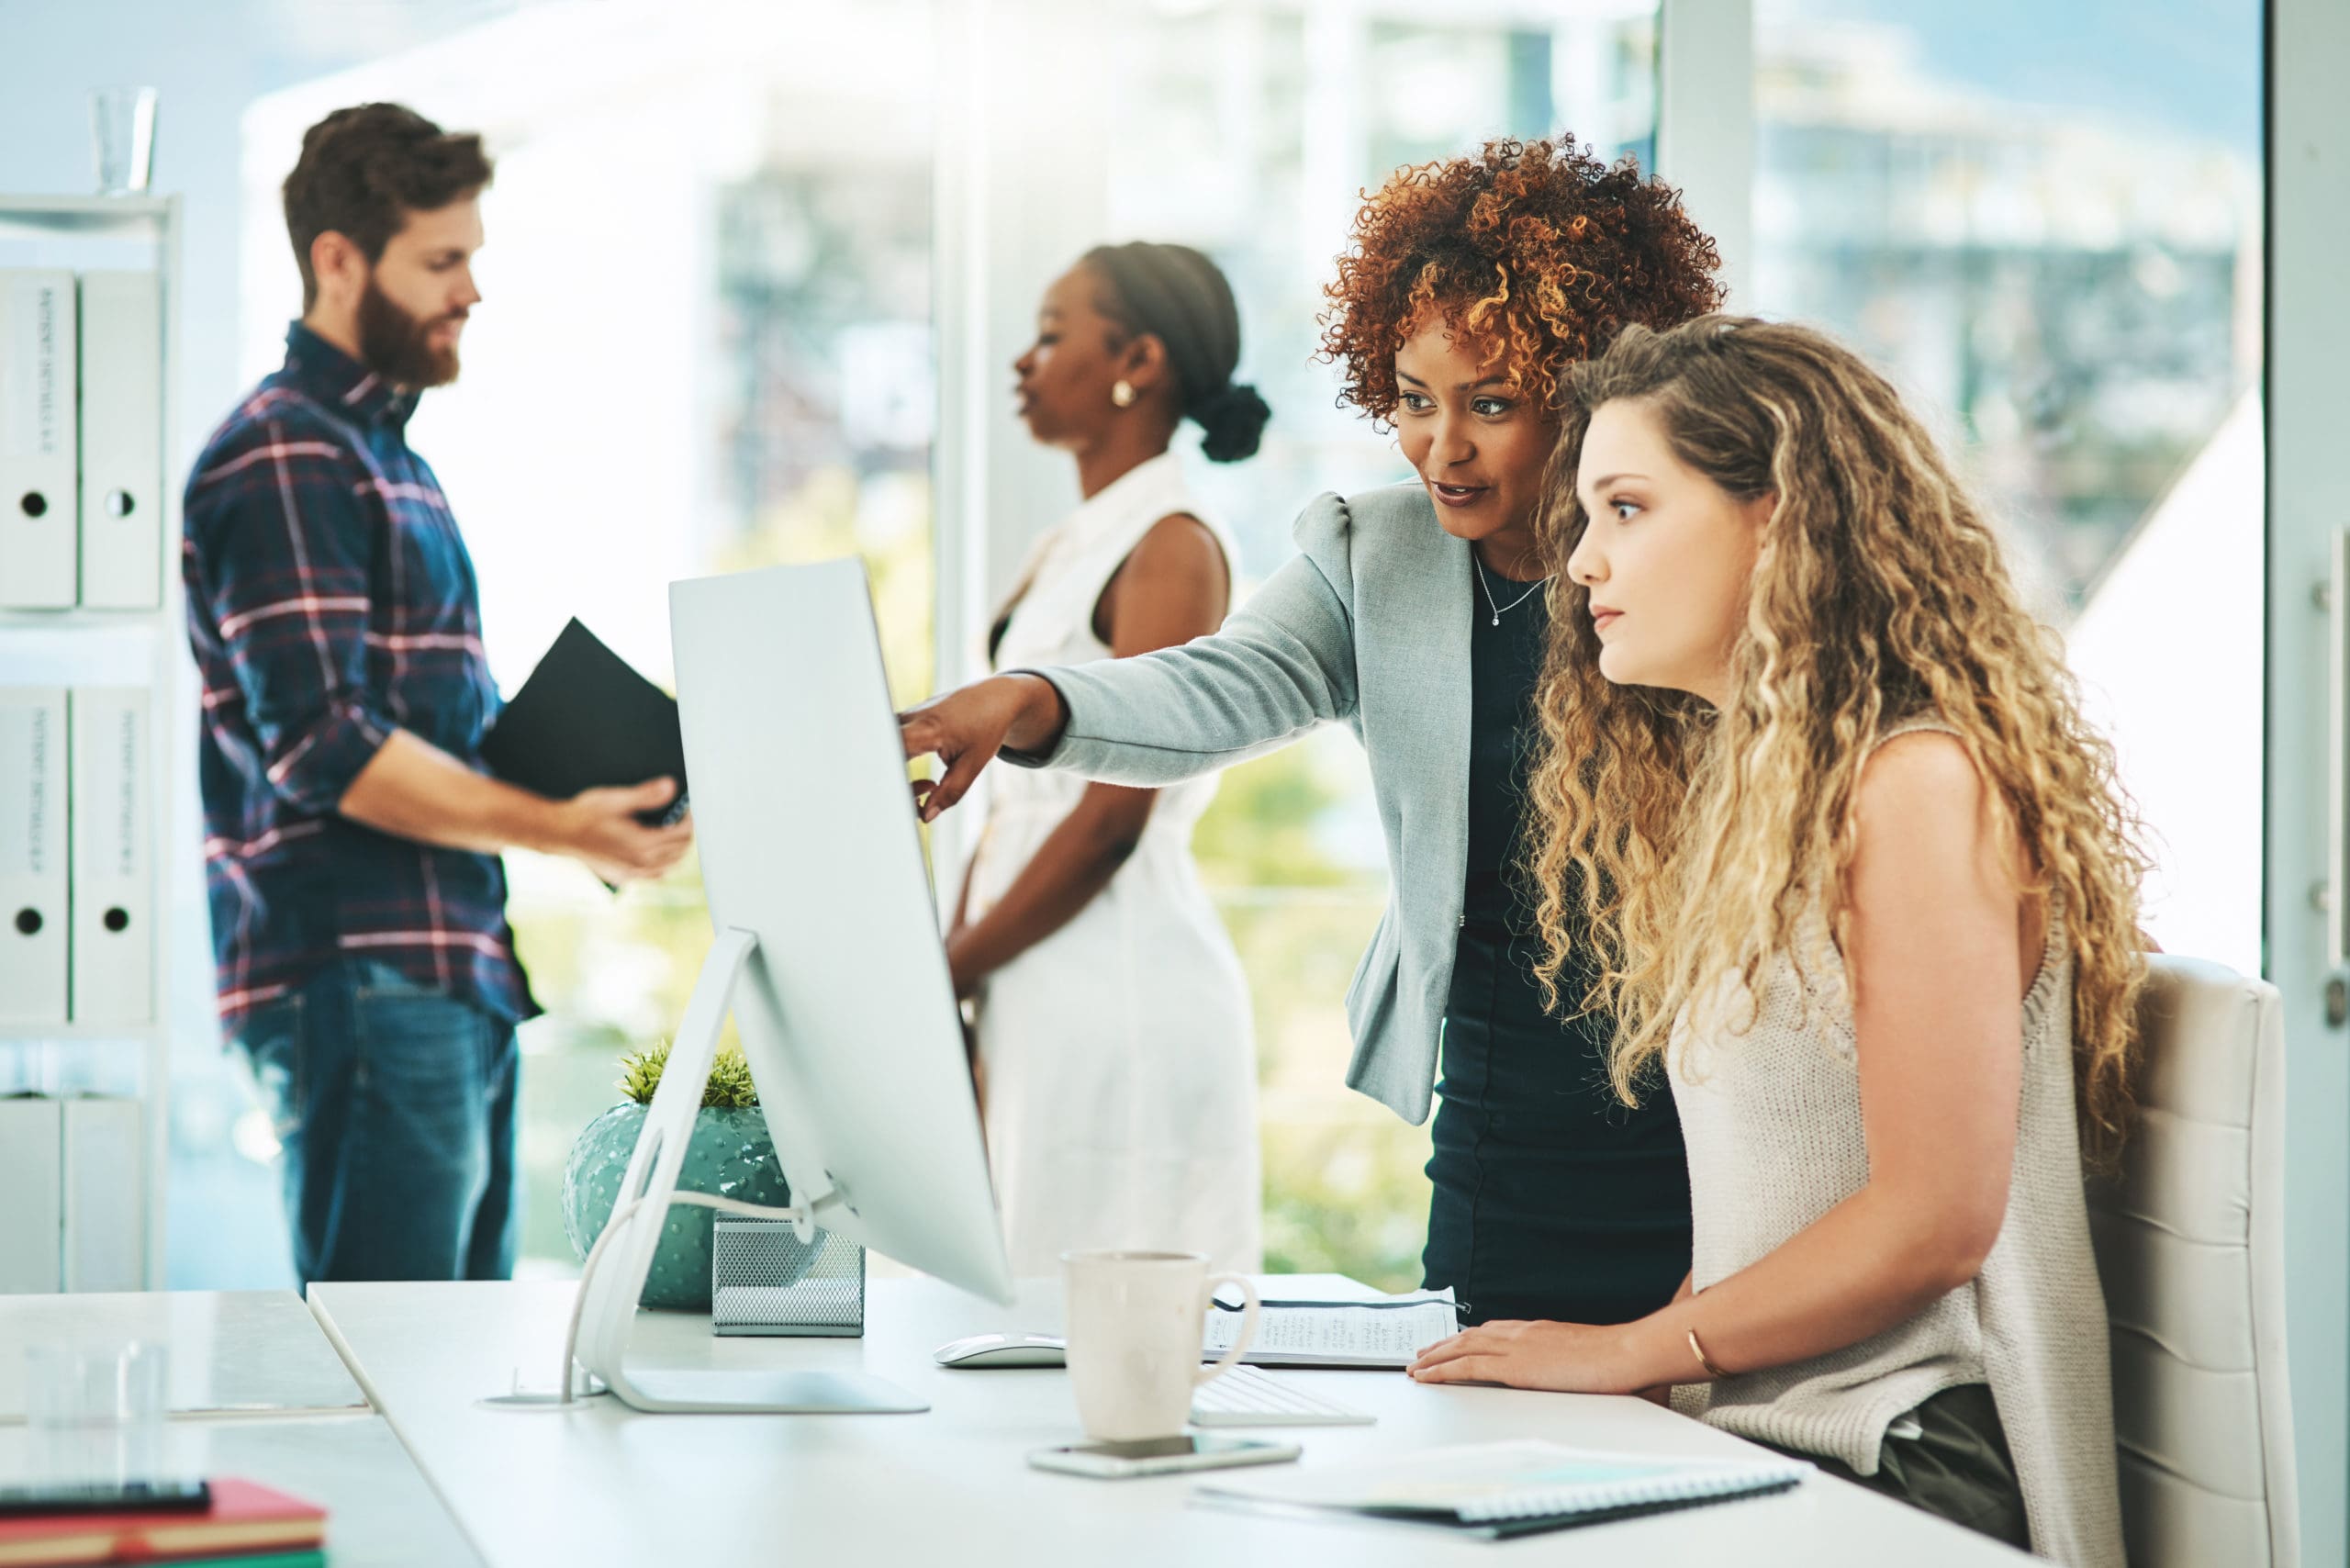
column 602, row 1484
column 241, row 1351
column 380, row 1511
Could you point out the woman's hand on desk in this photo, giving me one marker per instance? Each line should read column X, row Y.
column 1566, row 1357
column 965, row 729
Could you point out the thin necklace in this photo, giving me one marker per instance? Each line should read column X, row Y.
column 1539, row 583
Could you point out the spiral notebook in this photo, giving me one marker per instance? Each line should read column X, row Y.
column 1498, row 1490
column 1385, row 1331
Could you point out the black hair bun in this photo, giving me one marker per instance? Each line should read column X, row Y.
column 1233, row 420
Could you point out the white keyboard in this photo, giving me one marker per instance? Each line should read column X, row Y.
column 1247, row 1397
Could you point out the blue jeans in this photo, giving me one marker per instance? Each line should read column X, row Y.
column 395, row 1105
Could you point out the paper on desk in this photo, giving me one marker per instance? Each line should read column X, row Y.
column 1387, row 1333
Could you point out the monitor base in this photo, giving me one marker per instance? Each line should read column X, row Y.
column 746, row 1391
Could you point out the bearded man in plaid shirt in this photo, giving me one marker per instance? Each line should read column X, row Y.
column 352, row 837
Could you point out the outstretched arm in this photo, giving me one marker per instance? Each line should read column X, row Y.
column 1284, row 663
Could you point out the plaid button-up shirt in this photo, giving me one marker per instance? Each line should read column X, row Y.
column 331, row 601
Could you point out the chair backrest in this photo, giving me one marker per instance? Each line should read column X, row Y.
column 2189, row 1243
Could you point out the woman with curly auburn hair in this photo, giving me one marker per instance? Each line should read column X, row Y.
column 1861, row 887
column 1414, row 615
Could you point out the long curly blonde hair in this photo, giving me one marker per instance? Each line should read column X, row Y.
column 1687, row 844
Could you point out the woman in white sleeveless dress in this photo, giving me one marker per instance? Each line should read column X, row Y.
column 1115, row 1045
column 1867, row 892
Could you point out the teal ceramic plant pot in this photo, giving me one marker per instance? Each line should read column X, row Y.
column 730, row 1155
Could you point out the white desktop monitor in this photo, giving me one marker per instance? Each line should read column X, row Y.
column 828, row 939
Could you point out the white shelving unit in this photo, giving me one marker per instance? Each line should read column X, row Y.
column 82, row 647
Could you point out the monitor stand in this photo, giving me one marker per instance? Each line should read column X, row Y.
column 623, row 1254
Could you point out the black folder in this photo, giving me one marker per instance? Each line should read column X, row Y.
column 586, row 719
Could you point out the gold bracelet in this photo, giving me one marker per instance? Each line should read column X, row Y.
column 1700, row 1351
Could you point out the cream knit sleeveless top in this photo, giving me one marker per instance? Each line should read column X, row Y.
column 1771, row 1117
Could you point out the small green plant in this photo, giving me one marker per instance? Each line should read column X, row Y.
column 730, row 1087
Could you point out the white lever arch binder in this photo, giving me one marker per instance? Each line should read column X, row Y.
column 32, row 855
column 105, row 1243
column 113, row 897
column 31, row 1229
column 122, row 414
column 39, row 458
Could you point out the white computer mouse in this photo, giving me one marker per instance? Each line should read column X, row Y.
column 1000, row 1350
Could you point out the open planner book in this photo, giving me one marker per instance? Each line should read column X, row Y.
column 1387, row 1331
column 1505, row 1489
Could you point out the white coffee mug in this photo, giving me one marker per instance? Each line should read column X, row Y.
column 1136, row 1322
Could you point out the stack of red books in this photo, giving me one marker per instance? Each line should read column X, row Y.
column 243, row 1523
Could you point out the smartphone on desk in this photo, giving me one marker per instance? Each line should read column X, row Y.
column 163, row 1496
column 1156, row 1456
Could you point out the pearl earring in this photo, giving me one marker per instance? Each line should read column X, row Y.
column 1122, row 394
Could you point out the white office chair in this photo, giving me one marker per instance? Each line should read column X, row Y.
column 2189, row 1241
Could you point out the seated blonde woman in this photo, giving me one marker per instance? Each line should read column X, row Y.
column 1861, row 890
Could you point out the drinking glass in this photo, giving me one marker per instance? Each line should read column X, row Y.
column 94, row 1413
column 122, row 137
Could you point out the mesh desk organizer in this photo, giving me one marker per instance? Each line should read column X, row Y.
column 765, row 1280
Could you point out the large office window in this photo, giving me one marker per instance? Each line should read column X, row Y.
column 704, row 345
column 715, row 290
column 713, row 297
column 772, row 374
column 2056, row 249
column 811, row 435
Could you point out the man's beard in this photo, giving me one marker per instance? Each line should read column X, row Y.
column 393, row 343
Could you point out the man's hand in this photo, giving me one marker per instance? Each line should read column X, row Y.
column 598, row 829
column 411, row 789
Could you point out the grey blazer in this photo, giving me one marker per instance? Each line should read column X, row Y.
column 1367, row 626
